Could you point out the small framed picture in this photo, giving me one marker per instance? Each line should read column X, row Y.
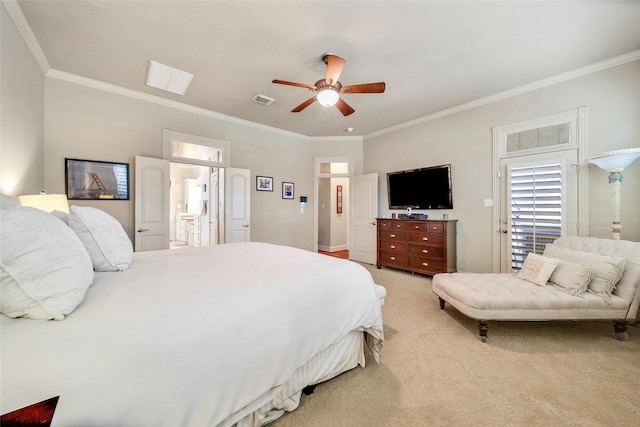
column 264, row 183
column 287, row 190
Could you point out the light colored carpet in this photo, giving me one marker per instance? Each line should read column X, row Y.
column 434, row 371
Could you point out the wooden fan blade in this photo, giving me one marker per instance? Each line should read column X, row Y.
column 364, row 88
column 304, row 105
column 335, row 64
column 284, row 82
column 344, row 108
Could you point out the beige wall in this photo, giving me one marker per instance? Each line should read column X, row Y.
column 465, row 140
column 88, row 123
column 22, row 107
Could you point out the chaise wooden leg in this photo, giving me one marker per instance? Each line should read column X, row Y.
column 620, row 329
column 483, row 328
column 441, row 303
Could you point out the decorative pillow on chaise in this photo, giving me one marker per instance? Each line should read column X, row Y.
column 537, row 269
column 44, row 268
column 571, row 277
column 607, row 270
column 103, row 236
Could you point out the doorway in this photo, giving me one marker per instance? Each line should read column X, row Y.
column 194, row 207
column 333, row 215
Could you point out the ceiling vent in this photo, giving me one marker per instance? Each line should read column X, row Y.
column 263, row 99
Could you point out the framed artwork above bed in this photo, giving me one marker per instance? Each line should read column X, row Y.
column 95, row 180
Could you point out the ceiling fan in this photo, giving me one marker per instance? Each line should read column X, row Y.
column 327, row 91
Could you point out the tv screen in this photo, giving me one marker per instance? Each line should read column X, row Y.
column 424, row 188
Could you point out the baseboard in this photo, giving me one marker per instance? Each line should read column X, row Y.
column 336, row 248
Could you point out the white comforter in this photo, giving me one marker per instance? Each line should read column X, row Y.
column 187, row 337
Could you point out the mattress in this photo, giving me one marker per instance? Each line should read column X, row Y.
column 199, row 336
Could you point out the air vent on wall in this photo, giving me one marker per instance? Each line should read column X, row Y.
column 263, row 99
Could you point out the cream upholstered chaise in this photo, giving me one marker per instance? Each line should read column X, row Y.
column 506, row 297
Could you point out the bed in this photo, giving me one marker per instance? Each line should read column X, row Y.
column 216, row 336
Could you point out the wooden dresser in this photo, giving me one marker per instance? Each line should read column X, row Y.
column 420, row 246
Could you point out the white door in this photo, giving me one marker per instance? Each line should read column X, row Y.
column 539, row 204
column 151, row 204
column 363, row 210
column 237, row 205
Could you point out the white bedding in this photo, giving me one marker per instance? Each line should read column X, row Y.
column 187, row 337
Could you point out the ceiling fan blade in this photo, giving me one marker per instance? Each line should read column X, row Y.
column 364, row 88
column 284, row 82
column 304, row 105
column 335, row 64
column 344, row 108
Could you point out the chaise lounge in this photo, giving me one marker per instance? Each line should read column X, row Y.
column 584, row 268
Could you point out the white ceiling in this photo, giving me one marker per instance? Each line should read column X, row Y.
column 433, row 55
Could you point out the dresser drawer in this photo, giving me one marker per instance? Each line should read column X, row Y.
column 393, row 235
column 435, row 252
column 391, row 246
column 429, row 264
column 437, row 227
column 385, row 224
column 392, row 258
column 409, row 226
column 427, row 238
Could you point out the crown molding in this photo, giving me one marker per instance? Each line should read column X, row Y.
column 559, row 78
column 27, row 34
column 119, row 90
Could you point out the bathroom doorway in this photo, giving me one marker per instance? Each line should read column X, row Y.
column 195, row 209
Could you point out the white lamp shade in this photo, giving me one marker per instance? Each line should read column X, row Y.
column 327, row 97
column 615, row 161
column 46, row 202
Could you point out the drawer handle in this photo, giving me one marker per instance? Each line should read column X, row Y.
column 424, row 251
column 392, row 258
column 393, row 235
column 397, row 225
column 426, row 264
column 416, row 227
column 435, row 228
column 393, row 246
column 425, row 238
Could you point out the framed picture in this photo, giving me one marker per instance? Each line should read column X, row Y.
column 93, row 180
column 264, row 183
column 287, row 190
column 339, row 199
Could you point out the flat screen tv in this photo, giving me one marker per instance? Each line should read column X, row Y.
column 424, row 188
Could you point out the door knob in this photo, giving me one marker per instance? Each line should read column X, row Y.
column 245, row 225
column 140, row 229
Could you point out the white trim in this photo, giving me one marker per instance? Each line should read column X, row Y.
column 316, row 176
column 27, row 34
column 579, row 119
column 559, row 78
column 108, row 87
column 168, row 136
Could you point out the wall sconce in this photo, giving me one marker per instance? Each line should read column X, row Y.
column 46, row 202
column 303, row 203
column 615, row 162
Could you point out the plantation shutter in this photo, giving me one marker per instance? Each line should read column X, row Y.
column 536, row 204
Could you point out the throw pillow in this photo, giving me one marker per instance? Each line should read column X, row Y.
column 572, row 277
column 44, row 268
column 537, row 269
column 103, row 236
column 607, row 270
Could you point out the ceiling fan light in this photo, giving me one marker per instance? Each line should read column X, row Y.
column 327, row 97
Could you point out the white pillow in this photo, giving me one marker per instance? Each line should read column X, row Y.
column 106, row 241
column 571, row 277
column 537, row 269
column 44, row 268
column 607, row 270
